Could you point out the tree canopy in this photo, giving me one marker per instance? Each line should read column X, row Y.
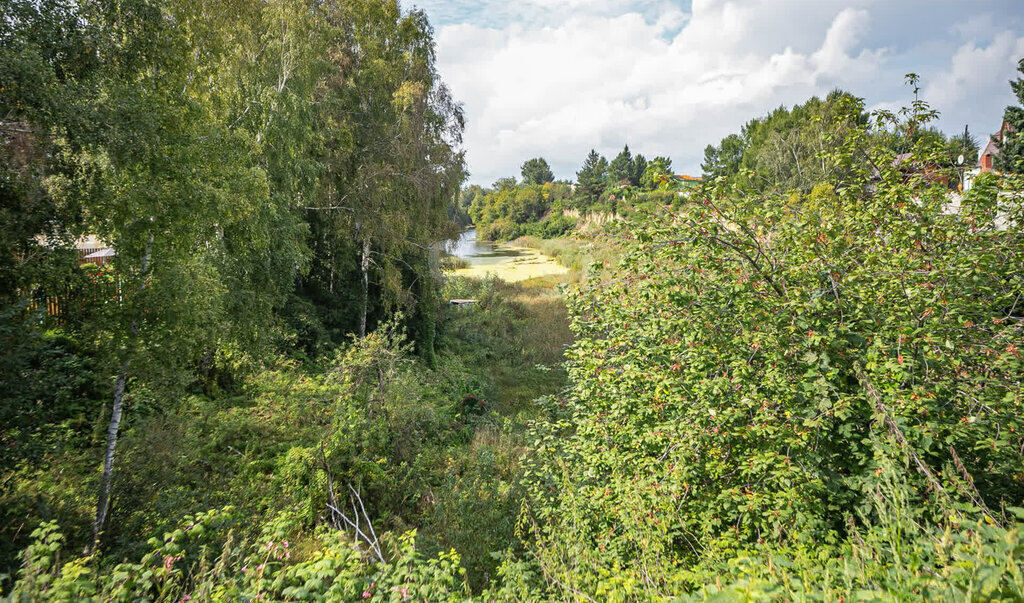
column 263, row 173
column 537, row 171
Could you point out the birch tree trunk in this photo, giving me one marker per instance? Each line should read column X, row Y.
column 103, row 503
column 365, row 266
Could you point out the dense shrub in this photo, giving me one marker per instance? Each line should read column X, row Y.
column 205, row 560
column 792, row 373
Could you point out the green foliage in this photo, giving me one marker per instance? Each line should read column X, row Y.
column 725, row 159
column 801, row 381
column 267, row 175
column 620, row 170
column 205, row 560
column 788, row 149
column 509, row 210
column 49, row 392
column 552, row 210
column 828, row 375
column 372, row 415
column 976, row 562
column 537, row 171
column 657, row 174
column 591, row 178
column 598, row 178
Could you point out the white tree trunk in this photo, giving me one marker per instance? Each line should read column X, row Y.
column 106, row 479
column 365, row 265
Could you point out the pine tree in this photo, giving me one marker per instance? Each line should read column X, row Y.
column 620, row 167
column 636, row 172
column 537, row 171
column 591, row 177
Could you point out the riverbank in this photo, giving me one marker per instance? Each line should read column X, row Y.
column 583, row 258
column 558, row 260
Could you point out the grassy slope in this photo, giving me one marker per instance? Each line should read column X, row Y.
column 513, row 339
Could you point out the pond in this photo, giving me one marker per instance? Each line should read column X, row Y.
column 508, row 262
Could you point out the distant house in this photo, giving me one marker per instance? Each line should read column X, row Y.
column 986, row 159
column 98, row 257
column 988, row 154
column 92, row 250
column 687, row 181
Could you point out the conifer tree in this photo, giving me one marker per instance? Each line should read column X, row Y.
column 590, row 179
column 621, row 167
column 537, row 171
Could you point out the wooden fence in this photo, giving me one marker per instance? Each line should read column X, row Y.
column 59, row 307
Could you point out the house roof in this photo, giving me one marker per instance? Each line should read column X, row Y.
column 992, row 148
column 106, row 252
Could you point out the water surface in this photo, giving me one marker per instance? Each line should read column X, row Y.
column 507, row 262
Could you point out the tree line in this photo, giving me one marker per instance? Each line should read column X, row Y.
column 538, row 206
column 782, row 150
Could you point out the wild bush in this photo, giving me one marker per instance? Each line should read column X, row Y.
column 774, row 370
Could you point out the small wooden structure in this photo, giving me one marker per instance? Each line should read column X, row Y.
column 99, row 257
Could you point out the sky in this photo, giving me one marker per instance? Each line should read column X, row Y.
column 556, row 78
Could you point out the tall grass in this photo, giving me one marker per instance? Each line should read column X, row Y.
column 451, row 262
column 585, row 259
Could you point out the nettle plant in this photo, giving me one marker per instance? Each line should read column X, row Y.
column 786, row 368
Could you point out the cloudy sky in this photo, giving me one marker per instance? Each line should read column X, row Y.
column 555, row 78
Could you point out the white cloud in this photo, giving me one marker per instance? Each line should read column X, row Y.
column 977, row 72
column 669, row 81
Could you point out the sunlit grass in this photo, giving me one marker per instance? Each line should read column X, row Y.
column 584, row 258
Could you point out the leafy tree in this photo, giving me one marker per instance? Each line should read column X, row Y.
column 395, row 171
column 45, row 64
column 155, row 171
column 503, row 184
column 216, row 157
column 1011, row 148
column 723, row 160
column 657, row 174
column 179, row 201
column 788, row 148
column 537, row 171
column 509, row 210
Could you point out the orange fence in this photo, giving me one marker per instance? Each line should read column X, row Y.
column 59, row 307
